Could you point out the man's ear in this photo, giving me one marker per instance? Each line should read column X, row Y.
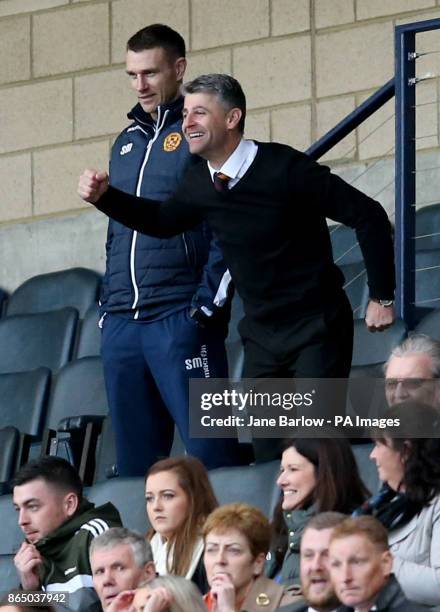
column 70, row 503
column 180, row 67
column 149, row 570
column 387, row 563
column 233, row 118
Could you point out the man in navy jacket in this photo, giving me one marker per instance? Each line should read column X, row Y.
column 165, row 302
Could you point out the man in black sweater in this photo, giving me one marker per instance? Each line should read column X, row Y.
column 267, row 204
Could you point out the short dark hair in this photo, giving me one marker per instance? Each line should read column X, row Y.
column 325, row 520
column 158, row 35
column 54, row 471
column 225, row 87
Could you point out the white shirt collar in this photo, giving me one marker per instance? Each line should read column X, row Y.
column 234, row 164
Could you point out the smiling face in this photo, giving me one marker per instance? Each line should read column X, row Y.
column 167, row 503
column 211, row 130
column 297, row 479
column 389, row 462
column 315, row 574
column 42, row 508
column 115, row 570
column 359, row 570
column 228, row 556
column 155, row 76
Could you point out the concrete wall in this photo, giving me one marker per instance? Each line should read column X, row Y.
column 304, row 64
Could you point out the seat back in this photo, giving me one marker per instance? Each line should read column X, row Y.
column 10, row 541
column 251, row 484
column 3, row 300
column 430, row 325
column 89, row 342
column 23, row 400
column 128, row 495
column 9, row 442
column 375, row 348
column 76, row 287
column 367, row 467
column 34, row 340
column 78, row 390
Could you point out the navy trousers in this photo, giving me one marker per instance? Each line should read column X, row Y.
column 147, row 367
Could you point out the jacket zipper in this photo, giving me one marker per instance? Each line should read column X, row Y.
column 158, row 127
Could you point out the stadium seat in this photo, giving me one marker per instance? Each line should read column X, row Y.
column 105, row 453
column 77, row 408
column 23, row 400
column 10, row 542
column 9, row 445
column 89, row 342
column 76, row 287
column 345, row 246
column 367, row 468
column 252, row 484
column 3, row 299
column 37, row 340
column 430, row 325
column 428, row 228
column 128, row 495
column 375, row 348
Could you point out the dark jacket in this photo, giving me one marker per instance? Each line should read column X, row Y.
column 273, row 233
column 391, row 597
column 65, row 552
column 296, row 521
column 157, row 276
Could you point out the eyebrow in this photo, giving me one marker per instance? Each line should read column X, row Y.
column 169, row 490
column 32, row 500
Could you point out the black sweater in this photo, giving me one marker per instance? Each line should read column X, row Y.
column 272, row 229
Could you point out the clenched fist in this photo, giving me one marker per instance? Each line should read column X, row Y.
column 92, row 185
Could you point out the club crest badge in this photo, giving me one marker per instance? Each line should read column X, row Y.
column 172, row 141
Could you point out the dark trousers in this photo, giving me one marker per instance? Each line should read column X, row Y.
column 147, row 367
column 313, row 346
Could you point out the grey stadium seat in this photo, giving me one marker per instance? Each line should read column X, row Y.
column 89, row 342
column 128, row 495
column 9, row 445
column 252, row 484
column 430, row 325
column 76, row 287
column 373, row 348
column 3, row 300
column 23, row 400
column 10, row 541
column 355, row 286
column 35, row 340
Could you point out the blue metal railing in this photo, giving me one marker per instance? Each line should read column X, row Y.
column 402, row 86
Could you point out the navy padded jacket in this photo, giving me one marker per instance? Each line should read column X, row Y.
column 152, row 275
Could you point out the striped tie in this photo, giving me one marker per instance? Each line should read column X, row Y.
column 221, row 182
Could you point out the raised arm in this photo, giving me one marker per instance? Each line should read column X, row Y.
column 159, row 219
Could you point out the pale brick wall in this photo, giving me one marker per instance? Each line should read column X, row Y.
column 304, row 64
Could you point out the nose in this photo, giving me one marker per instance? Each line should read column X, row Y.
column 141, row 82
column 317, row 563
column 346, row 575
column 401, row 392
column 187, row 121
column 220, row 557
column 23, row 517
column 108, row 577
column 281, row 479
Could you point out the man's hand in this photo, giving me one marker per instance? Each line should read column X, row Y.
column 92, row 185
column 27, row 562
column 224, row 593
column 379, row 318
